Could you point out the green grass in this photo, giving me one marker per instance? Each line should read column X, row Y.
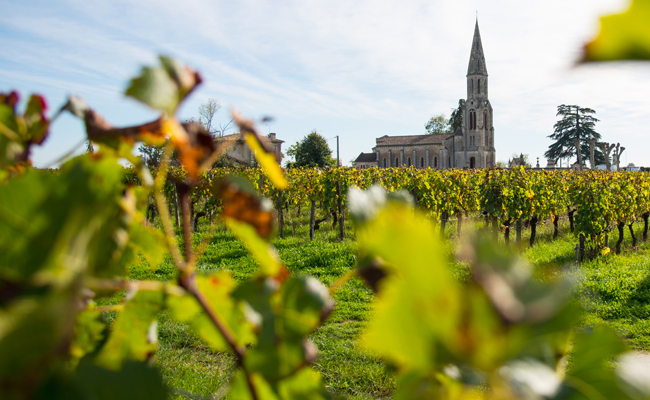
column 614, row 289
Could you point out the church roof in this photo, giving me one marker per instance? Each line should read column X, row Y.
column 411, row 140
column 366, row 157
column 477, row 58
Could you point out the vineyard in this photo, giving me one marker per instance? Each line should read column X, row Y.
column 594, row 202
column 99, row 262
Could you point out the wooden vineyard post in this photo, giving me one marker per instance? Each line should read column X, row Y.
column 294, row 228
column 312, row 220
column 556, row 229
column 280, row 216
column 341, row 215
column 645, row 225
column 506, row 232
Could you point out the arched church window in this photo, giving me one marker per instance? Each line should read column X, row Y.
column 396, row 162
column 449, row 162
column 472, row 119
column 435, row 162
column 421, row 162
column 409, row 161
column 479, row 86
column 384, row 162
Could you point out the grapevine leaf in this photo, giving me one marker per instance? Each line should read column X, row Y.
column 589, row 371
column 134, row 381
column 193, row 142
column 35, row 119
column 89, row 332
column 306, row 303
column 100, row 131
column 623, row 36
column 281, row 348
column 150, row 243
column 32, row 329
column 406, row 319
column 267, row 158
column 131, row 337
column 242, row 203
column 217, row 289
column 165, row 86
column 239, row 388
column 305, row 384
column 262, row 251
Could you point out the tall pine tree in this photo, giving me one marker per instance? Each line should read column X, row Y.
column 576, row 123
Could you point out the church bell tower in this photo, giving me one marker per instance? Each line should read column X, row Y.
column 478, row 131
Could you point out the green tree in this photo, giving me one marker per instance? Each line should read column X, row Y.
column 575, row 123
column 437, row 125
column 312, row 151
column 456, row 118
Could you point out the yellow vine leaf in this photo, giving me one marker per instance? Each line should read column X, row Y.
column 261, row 250
column 624, row 36
column 268, row 163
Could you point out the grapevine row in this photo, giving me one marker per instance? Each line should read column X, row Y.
column 596, row 202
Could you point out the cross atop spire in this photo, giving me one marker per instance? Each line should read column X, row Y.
column 476, row 57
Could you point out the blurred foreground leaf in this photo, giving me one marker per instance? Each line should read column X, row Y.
column 624, row 36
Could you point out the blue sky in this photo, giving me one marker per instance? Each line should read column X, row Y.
column 358, row 69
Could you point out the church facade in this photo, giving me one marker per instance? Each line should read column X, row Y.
column 471, row 146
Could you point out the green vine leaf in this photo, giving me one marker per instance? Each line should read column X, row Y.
column 165, row 86
column 133, row 334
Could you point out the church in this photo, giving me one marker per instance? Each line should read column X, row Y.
column 471, row 146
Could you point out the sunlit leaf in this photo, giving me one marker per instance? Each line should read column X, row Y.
column 408, row 310
column 623, row 36
column 265, row 156
column 260, row 249
column 268, row 162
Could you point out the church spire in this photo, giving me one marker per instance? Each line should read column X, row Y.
column 476, row 57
